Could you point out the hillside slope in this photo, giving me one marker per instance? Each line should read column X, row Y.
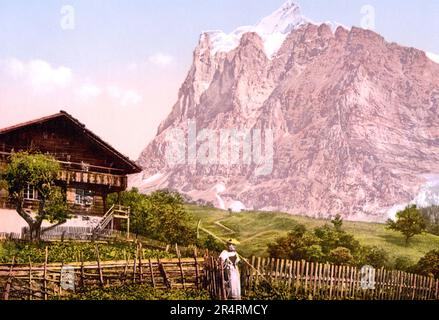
column 255, row 230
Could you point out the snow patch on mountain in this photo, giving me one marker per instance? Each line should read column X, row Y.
column 219, row 188
column 273, row 30
column 152, row 178
column 237, row 206
column 433, row 57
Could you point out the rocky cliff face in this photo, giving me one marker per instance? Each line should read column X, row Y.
column 354, row 121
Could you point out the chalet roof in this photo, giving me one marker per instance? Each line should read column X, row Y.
column 63, row 114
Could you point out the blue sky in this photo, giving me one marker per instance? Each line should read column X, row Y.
column 110, row 31
column 111, row 38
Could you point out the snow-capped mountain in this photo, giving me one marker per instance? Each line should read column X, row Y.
column 273, row 31
column 354, row 121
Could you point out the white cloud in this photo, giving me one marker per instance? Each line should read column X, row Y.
column 161, row 59
column 89, row 91
column 433, row 57
column 40, row 74
column 125, row 97
column 43, row 78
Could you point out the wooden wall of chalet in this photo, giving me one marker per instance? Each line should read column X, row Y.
column 63, row 140
column 97, row 209
column 3, row 192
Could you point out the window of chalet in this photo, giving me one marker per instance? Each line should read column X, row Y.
column 30, row 193
column 84, row 197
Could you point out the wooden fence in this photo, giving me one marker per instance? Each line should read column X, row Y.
column 42, row 281
column 330, row 282
column 305, row 280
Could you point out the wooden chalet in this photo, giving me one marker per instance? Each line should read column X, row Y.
column 91, row 169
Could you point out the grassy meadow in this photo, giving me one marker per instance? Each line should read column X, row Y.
column 255, row 230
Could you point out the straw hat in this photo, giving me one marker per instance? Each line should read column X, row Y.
column 232, row 241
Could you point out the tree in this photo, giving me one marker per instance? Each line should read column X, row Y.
column 39, row 172
column 409, row 222
column 323, row 244
column 168, row 220
column 296, row 245
column 160, row 215
column 337, row 222
column 331, row 239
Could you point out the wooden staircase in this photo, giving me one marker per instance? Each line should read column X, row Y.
column 116, row 211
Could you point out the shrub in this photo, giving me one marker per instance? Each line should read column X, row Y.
column 70, row 252
column 429, row 264
column 373, row 256
column 341, row 256
column 272, row 290
column 135, row 292
column 403, row 263
column 210, row 243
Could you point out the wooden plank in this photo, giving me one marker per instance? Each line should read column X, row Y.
column 46, row 255
column 306, row 276
column 258, row 267
column 197, row 271
column 282, row 271
column 222, row 282
column 30, row 279
column 151, row 270
column 180, row 265
column 320, row 278
column 125, row 272
column 436, row 290
column 344, row 282
column 400, row 284
column 331, row 268
column 101, row 276
column 166, row 280
column 140, row 262
column 315, row 276
column 290, row 273
column 413, row 286
column 135, row 264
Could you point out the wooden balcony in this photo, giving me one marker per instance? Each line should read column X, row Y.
column 106, row 179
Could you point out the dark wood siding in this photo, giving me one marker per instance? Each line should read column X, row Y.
column 87, row 162
column 64, row 141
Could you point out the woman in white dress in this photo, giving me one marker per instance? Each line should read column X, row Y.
column 229, row 259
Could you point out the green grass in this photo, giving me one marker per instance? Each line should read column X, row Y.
column 255, row 230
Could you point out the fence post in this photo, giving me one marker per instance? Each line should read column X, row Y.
column 101, row 276
column 196, row 268
column 140, row 262
column 222, row 282
column 331, row 267
column 436, row 293
column 81, row 256
column 9, row 282
column 45, row 272
column 135, row 263
column 152, row 273
column 180, row 265
column 30, row 280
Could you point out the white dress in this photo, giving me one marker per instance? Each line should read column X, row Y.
column 233, row 281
